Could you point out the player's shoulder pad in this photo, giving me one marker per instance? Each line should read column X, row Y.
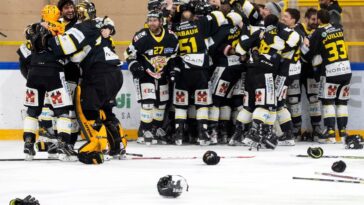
column 220, row 17
column 172, row 33
column 140, row 34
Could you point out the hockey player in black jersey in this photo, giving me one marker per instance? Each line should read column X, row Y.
column 226, row 74
column 90, row 45
column 265, row 47
column 152, row 49
column 307, row 80
column 191, row 86
column 46, row 74
column 328, row 50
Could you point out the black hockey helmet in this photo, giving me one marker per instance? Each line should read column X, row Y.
column 86, row 10
column 211, row 158
column 155, row 14
column 172, row 186
column 155, row 5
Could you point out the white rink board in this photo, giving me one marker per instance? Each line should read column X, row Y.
column 12, row 86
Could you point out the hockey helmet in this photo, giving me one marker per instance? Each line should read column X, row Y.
column 155, row 14
column 50, row 13
column 211, row 158
column 172, row 186
column 86, row 10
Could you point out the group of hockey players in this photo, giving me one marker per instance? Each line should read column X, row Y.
column 73, row 77
column 205, row 72
column 233, row 72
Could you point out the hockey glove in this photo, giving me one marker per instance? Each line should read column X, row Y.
column 29, row 200
column 91, row 157
column 137, row 70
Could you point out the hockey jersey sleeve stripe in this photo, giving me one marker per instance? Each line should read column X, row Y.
column 240, row 49
column 77, row 34
column 220, row 18
column 293, row 39
column 67, row 44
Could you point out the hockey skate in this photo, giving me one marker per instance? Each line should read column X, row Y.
column 328, row 137
column 203, row 137
column 149, row 138
column 29, row 150
column 287, row 139
column 66, row 152
column 213, row 135
column 236, row 138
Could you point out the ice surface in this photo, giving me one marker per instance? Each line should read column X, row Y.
column 265, row 179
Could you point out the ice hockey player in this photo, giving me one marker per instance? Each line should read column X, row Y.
column 308, row 81
column 287, row 79
column 89, row 44
column 191, row 84
column 334, row 10
column 150, row 58
column 227, row 73
column 260, row 73
column 46, row 75
column 328, row 51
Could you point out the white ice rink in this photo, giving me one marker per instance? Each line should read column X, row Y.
column 265, row 179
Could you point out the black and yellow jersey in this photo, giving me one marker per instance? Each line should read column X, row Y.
column 293, row 40
column 150, row 51
column 302, row 29
column 193, row 48
column 85, row 45
column 328, row 43
column 267, row 42
column 227, row 36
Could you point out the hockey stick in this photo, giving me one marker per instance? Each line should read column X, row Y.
column 340, row 176
column 1, row 33
column 332, row 156
column 134, row 154
column 178, row 158
column 20, row 160
column 329, row 180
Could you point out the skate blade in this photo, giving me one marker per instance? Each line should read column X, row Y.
column 154, row 142
column 286, row 143
column 29, row 157
column 204, row 143
column 140, row 140
column 327, row 141
column 52, row 156
column 66, row 158
column 178, row 142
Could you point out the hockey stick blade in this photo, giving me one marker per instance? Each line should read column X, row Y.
column 20, row 160
column 332, row 156
column 339, row 176
column 134, row 154
column 329, row 180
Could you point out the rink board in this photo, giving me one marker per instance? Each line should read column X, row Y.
column 12, row 87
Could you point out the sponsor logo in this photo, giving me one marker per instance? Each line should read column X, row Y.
column 124, row 101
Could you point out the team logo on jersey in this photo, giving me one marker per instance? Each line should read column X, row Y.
column 158, row 62
column 139, row 36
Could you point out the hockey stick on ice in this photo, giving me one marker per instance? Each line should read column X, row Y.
column 21, row 159
column 340, row 176
column 178, row 158
column 329, row 180
column 332, row 156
